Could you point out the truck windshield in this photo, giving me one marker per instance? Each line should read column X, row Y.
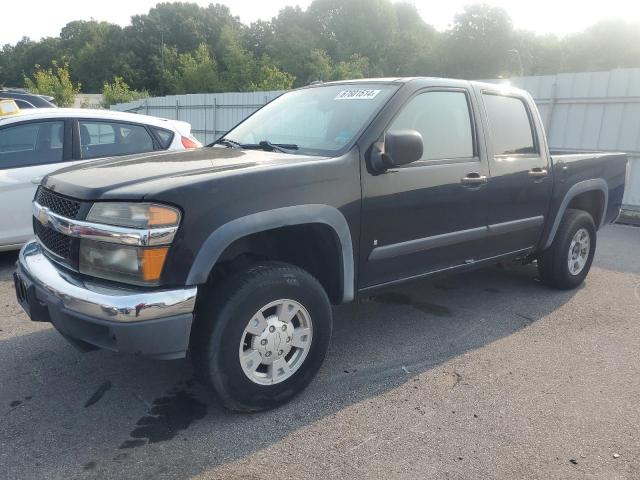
column 319, row 120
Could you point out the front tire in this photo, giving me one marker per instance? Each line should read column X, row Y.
column 566, row 263
column 260, row 336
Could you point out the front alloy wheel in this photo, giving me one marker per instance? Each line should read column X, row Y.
column 260, row 335
column 275, row 342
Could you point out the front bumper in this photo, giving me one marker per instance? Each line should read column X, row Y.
column 151, row 322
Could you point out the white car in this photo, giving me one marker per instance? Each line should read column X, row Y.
column 36, row 142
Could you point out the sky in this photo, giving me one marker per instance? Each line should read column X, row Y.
column 542, row 16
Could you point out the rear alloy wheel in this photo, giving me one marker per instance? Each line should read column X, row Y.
column 261, row 335
column 579, row 251
column 566, row 263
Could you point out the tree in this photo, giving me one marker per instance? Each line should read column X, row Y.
column 415, row 36
column 271, row 78
column 184, row 26
column 362, row 27
column 96, row 52
column 478, row 44
column 356, row 67
column 316, row 65
column 179, row 47
column 239, row 65
column 22, row 58
column 193, row 72
column 56, row 82
column 119, row 92
column 607, row 44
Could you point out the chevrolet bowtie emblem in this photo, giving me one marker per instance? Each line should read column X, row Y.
column 43, row 216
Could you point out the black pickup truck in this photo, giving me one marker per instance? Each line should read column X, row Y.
column 235, row 253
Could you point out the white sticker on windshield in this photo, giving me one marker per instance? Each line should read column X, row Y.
column 358, row 94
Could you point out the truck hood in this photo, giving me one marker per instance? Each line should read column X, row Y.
column 135, row 176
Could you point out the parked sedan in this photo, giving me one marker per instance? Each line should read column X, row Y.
column 36, row 142
column 25, row 99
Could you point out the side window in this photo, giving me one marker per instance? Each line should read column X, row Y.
column 105, row 139
column 22, row 104
column 444, row 121
column 31, row 144
column 509, row 124
column 164, row 136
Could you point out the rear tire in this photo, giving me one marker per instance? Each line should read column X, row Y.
column 247, row 349
column 566, row 263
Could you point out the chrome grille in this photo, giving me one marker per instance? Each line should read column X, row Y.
column 55, row 242
column 57, row 203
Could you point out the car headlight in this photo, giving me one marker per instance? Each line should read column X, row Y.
column 136, row 215
column 133, row 264
column 120, row 263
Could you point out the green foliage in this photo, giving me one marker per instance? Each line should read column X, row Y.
column 185, row 48
column 119, row 92
column 56, row 82
column 271, row 78
column 191, row 72
column 479, row 42
column 356, row 66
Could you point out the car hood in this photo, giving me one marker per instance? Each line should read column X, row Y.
column 135, row 176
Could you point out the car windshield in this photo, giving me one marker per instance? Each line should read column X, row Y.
column 320, row 120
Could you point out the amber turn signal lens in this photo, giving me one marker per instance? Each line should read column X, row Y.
column 152, row 263
column 162, row 216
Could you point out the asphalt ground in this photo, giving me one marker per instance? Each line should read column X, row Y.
column 483, row 375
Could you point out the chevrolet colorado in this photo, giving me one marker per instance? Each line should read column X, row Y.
column 235, row 253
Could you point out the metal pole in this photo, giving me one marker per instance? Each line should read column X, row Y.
column 205, row 119
column 513, row 50
column 215, row 114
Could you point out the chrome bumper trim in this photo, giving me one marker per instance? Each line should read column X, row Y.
column 103, row 233
column 100, row 301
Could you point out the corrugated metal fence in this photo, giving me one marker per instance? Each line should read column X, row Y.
column 581, row 111
column 592, row 111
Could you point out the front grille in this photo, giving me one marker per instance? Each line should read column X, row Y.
column 55, row 242
column 57, row 203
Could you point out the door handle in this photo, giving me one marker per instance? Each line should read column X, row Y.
column 538, row 172
column 36, row 180
column 474, row 179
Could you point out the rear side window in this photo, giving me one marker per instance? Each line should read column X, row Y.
column 443, row 120
column 105, row 139
column 31, row 144
column 509, row 124
column 164, row 137
column 23, row 104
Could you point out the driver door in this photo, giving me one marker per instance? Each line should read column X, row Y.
column 427, row 215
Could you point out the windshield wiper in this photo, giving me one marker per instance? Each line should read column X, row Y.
column 226, row 142
column 262, row 145
column 280, row 147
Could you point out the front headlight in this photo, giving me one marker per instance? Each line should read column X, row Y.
column 121, row 263
column 136, row 215
column 140, row 264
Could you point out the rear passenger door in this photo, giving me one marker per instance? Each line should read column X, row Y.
column 520, row 185
column 103, row 138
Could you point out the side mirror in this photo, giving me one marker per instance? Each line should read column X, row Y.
column 400, row 148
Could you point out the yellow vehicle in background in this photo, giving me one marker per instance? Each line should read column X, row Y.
column 8, row 107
